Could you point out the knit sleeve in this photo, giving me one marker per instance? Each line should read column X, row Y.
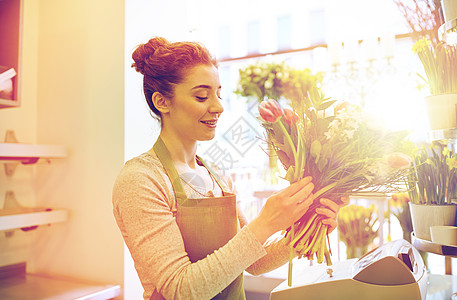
column 277, row 252
column 143, row 205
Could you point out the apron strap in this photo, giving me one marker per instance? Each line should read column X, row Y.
column 219, row 181
column 164, row 156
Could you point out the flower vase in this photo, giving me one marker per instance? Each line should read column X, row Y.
column 356, row 251
column 406, row 235
column 442, row 111
column 425, row 215
column 273, row 168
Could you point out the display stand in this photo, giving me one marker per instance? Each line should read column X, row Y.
column 445, row 250
column 447, row 138
column 448, row 32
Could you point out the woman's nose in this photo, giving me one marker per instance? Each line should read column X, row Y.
column 216, row 105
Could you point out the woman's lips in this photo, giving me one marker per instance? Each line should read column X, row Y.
column 210, row 123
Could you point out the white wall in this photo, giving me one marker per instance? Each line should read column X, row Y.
column 72, row 94
column 145, row 19
column 22, row 120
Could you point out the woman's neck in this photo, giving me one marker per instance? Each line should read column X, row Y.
column 182, row 152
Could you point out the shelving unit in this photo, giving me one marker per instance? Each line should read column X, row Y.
column 445, row 250
column 30, row 153
column 448, row 138
column 448, row 32
column 39, row 286
column 27, row 218
column 19, row 283
column 10, row 45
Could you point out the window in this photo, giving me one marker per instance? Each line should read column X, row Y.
column 284, row 32
column 253, row 36
column 224, row 41
column 317, row 27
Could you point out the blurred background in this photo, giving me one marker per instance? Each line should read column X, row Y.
column 77, row 89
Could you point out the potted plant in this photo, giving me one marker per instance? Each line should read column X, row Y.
column 440, row 66
column 399, row 207
column 357, row 227
column 432, row 189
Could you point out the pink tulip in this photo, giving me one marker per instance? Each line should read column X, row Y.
column 290, row 116
column 270, row 110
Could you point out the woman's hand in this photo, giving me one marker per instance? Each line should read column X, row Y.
column 282, row 209
column 331, row 212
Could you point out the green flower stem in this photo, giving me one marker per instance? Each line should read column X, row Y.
column 325, row 189
column 291, row 144
column 289, row 275
column 291, row 256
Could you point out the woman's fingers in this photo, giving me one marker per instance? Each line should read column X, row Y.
column 331, row 224
column 326, row 212
column 345, row 200
column 330, row 204
column 296, row 187
column 304, row 195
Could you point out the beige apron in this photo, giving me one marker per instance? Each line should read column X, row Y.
column 206, row 224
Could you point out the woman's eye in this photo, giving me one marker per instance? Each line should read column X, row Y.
column 201, row 98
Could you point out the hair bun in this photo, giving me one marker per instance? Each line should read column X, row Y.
column 143, row 52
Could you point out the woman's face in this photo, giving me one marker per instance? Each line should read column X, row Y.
column 196, row 107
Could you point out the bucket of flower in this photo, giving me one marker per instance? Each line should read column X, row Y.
column 336, row 146
column 357, row 227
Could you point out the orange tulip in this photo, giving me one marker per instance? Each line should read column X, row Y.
column 398, row 160
column 340, row 106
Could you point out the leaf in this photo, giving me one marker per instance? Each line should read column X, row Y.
column 290, row 174
column 287, row 151
column 316, row 150
column 311, row 114
column 284, row 158
column 326, row 104
column 294, row 133
column 322, row 163
column 326, row 148
column 322, row 125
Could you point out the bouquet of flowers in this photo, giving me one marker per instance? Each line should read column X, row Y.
column 439, row 64
column 341, row 152
column 358, row 227
column 270, row 80
column 399, row 207
column 433, row 176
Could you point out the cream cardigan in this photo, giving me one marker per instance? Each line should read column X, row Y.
column 144, row 207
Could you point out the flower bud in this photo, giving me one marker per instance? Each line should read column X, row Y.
column 270, row 110
column 340, row 106
column 398, row 160
column 290, row 116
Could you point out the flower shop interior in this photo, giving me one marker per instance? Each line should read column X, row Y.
column 72, row 112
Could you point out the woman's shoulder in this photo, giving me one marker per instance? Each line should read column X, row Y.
column 143, row 164
column 144, row 170
column 142, row 184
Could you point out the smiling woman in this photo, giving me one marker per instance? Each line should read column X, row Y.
column 193, row 104
column 178, row 217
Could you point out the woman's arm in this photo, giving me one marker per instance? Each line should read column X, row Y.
column 143, row 209
column 277, row 251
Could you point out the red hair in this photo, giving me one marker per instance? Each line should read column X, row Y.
column 164, row 64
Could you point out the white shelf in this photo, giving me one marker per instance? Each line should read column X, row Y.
column 35, row 286
column 28, row 217
column 448, row 32
column 27, row 152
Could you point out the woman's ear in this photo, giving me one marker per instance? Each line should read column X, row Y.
column 160, row 102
